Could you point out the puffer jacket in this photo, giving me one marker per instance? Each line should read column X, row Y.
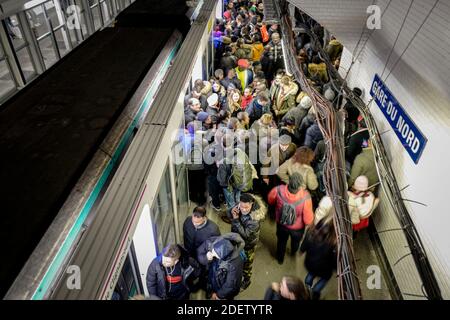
column 248, row 226
column 313, row 136
column 225, row 274
column 156, row 277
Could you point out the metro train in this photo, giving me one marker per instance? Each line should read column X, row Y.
column 131, row 194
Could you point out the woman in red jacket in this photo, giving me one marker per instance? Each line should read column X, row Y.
column 293, row 210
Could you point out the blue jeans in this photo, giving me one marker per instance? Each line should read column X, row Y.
column 318, row 287
column 231, row 198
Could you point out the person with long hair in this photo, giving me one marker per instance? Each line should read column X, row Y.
column 290, row 288
column 301, row 163
column 234, row 101
column 320, row 260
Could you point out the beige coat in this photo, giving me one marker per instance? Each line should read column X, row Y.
column 307, row 173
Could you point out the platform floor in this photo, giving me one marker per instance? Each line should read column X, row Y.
column 267, row 270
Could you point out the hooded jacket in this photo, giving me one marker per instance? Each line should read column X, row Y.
column 282, row 103
column 195, row 236
column 248, row 226
column 313, row 136
column 304, row 212
column 156, row 276
column 225, row 274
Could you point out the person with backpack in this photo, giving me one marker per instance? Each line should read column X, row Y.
column 235, row 172
column 224, row 258
column 293, row 211
column 246, row 219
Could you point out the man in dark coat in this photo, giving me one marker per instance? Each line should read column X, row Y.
column 313, row 136
column 191, row 110
column 357, row 141
column 197, row 229
column 172, row 274
column 258, row 107
column 245, row 220
column 225, row 264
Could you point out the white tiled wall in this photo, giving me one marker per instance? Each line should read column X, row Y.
column 420, row 82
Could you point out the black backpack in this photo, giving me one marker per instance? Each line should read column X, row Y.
column 288, row 212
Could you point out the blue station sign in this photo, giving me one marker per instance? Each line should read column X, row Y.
column 406, row 130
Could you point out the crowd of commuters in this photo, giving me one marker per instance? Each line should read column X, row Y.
column 255, row 149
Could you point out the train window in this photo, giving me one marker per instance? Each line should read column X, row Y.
column 23, row 55
column 6, row 82
column 163, row 213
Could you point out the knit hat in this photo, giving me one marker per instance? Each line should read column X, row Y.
column 285, row 139
column 223, row 248
column 361, row 183
column 243, row 63
column 202, row 116
column 306, row 102
column 213, row 99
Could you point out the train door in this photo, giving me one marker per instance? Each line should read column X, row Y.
column 129, row 283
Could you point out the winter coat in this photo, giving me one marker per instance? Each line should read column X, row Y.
column 245, row 77
column 283, row 103
column 320, row 259
column 189, row 115
column 298, row 114
column 255, row 110
column 313, row 136
column 355, row 143
column 364, row 165
column 304, row 211
column 306, row 171
column 246, row 101
column 248, row 226
column 318, row 71
column 195, row 236
column 228, row 62
column 275, row 158
column 225, row 274
column 156, row 276
column 361, row 205
column 276, row 52
column 334, row 49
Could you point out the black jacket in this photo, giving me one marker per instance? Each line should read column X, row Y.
column 228, row 62
column 248, row 226
column 189, row 115
column 156, row 276
column 194, row 237
column 355, row 144
column 225, row 274
column 320, row 257
column 313, row 136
